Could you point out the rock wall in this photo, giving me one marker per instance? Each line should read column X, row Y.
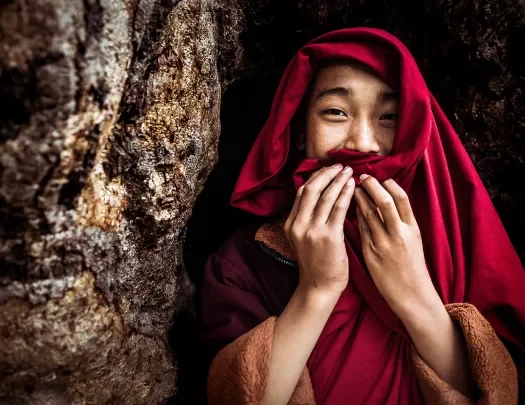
column 110, row 124
column 109, row 127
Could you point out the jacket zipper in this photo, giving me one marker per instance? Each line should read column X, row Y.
column 274, row 256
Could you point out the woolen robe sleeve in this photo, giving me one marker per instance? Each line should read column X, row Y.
column 491, row 365
column 243, row 329
column 235, row 317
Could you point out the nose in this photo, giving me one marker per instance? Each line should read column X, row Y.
column 362, row 136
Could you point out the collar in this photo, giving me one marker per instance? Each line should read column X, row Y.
column 272, row 235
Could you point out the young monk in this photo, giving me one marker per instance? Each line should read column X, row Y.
column 389, row 278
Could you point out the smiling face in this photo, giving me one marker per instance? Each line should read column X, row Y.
column 350, row 108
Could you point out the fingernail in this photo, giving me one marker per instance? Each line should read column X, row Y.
column 363, row 176
column 347, row 169
column 350, row 181
column 337, row 166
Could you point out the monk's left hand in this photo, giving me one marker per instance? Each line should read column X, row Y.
column 392, row 247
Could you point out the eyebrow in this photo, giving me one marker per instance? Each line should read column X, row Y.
column 347, row 92
column 334, row 91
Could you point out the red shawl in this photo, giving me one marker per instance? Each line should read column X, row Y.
column 362, row 355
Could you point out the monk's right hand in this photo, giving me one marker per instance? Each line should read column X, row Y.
column 314, row 229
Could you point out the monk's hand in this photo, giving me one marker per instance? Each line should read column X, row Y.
column 392, row 247
column 314, row 229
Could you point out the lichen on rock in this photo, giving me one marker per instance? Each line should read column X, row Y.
column 110, row 132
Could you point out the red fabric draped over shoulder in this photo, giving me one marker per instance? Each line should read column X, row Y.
column 363, row 352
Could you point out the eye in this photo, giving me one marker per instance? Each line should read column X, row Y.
column 335, row 111
column 389, row 117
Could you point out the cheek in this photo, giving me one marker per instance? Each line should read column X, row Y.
column 322, row 137
column 387, row 140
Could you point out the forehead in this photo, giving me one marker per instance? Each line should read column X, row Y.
column 348, row 74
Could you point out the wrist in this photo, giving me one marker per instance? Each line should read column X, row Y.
column 317, row 299
column 424, row 301
column 425, row 315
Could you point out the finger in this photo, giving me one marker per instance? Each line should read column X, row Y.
column 370, row 216
column 401, row 200
column 312, row 191
column 293, row 213
column 330, row 195
column 364, row 230
column 340, row 208
column 383, row 200
column 295, row 208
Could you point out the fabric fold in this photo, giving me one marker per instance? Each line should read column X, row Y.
column 239, row 372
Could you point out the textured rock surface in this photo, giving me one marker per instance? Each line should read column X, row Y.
column 76, row 349
column 109, row 127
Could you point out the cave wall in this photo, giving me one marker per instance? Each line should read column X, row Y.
column 109, row 128
column 110, row 123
